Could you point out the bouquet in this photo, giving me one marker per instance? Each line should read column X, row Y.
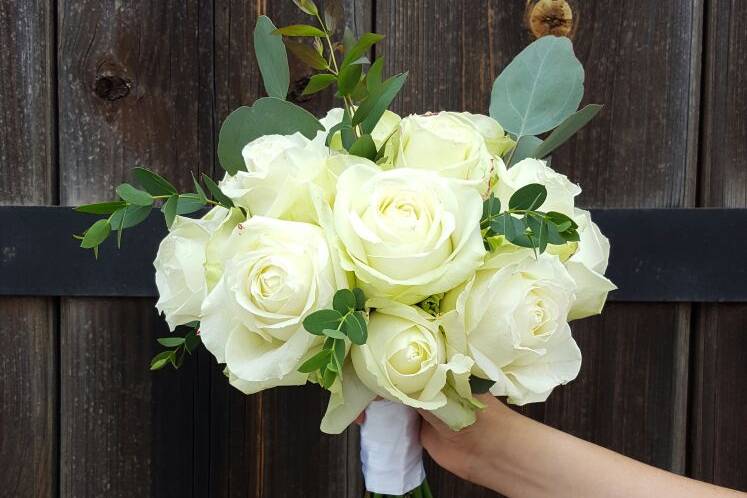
column 400, row 263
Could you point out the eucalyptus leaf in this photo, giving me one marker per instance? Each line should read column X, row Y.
column 491, row 208
column 319, row 82
column 346, row 130
column 307, row 54
column 134, row 196
column 372, row 108
column 169, row 209
column 528, row 198
column 268, row 116
column 344, row 301
column 339, row 351
column 541, row 87
column 96, row 234
column 101, row 207
column 216, row 192
column 523, row 149
column 364, row 146
column 373, row 76
column 316, row 362
column 355, row 328
column 320, row 320
column 348, row 79
column 360, row 48
column 189, row 203
column 170, row 342
column 360, row 299
column 567, row 129
column 478, row 385
column 191, row 341
column 129, row 217
column 271, row 58
column 199, row 190
column 299, row 30
column 307, row 6
column 153, row 183
column 334, row 333
column 538, row 225
column 161, row 359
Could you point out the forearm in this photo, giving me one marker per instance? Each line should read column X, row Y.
column 529, row 460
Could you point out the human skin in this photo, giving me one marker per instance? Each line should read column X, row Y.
column 521, row 458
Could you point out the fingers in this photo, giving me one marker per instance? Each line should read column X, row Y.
column 360, row 418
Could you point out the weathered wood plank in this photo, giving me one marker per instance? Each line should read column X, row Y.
column 28, row 326
column 269, row 444
column 135, row 81
column 719, row 406
column 454, row 50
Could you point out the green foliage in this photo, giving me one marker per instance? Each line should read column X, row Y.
column 271, row 58
column 101, row 207
column 267, row 116
column 131, row 195
column 478, row 385
column 153, row 183
column 374, row 105
column 169, row 209
column 307, row 54
column 319, row 82
column 541, row 87
column 566, row 130
column 178, row 348
column 364, row 146
column 348, row 79
column 299, row 30
column 221, row 198
column 344, row 321
column 525, row 147
column 523, row 225
column 360, row 48
column 307, row 6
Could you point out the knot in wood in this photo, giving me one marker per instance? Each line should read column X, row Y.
column 550, row 17
column 111, row 87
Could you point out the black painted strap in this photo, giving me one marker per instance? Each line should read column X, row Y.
column 658, row 255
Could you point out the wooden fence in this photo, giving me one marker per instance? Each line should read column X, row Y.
column 91, row 88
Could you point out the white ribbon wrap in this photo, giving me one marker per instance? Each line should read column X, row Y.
column 391, row 453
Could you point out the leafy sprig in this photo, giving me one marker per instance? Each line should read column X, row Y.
column 178, row 348
column 343, row 321
column 135, row 204
column 522, row 224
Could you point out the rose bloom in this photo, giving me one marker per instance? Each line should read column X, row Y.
column 511, row 318
column 186, row 263
column 462, row 146
column 405, row 360
column 407, row 233
column 276, row 273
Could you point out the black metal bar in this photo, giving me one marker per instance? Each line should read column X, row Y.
column 658, row 255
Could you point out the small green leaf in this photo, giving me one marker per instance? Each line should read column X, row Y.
column 134, row 196
column 566, row 130
column 130, row 216
column 560, row 219
column 373, row 76
column 340, row 353
column 479, row 385
column 348, row 78
column 360, row 48
column 191, row 341
column 307, row 6
column 507, row 225
column 360, row 299
column 319, row 82
column 299, row 30
column 524, row 148
column 528, row 198
column 101, row 207
column 189, row 203
column 96, row 234
column 372, row 108
column 319, row 320
column 334, row 333
column 364, row 146
column 161, row 359
column 199, row 189
column 153, row 183
column 346, row 131
column 328, row 378
column 343, row 301
column 169, row 209
column 316, row 362
column 355, row 328
column 170, row 342
column 491, row 208
column 332, row 132
column 307, row 55
column 271, row 58
column 216, row 192
column 538, row 227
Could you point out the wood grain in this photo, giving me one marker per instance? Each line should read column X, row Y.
column 454, row 51
column 719, row 405
column 135, row 81
column 28, row 326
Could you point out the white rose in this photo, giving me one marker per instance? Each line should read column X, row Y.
column 587, row 266
column 405, row 360
column 181, row 276
column 496, row 139
column 560, row 191
column 283, row 174
column 406, row 233
column 276, row 273
column 449, row 143
column 511, row 319
column 384, row 128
